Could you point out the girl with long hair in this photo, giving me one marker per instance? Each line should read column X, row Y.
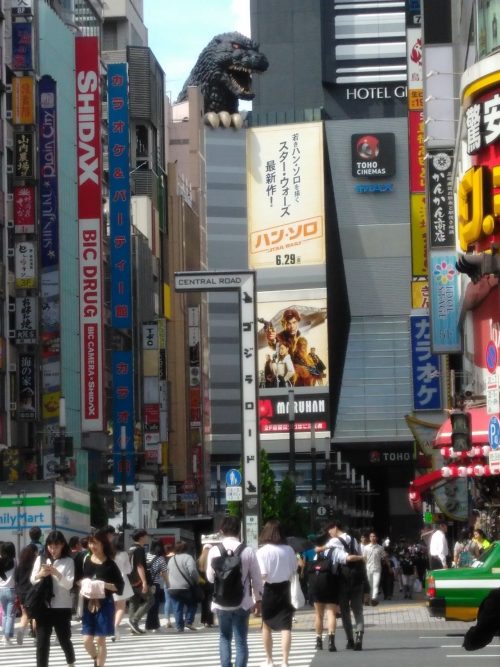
column 101, row 578
column 55, row 561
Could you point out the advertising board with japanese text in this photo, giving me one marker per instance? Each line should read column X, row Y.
column 285, row 193
column 426, row 366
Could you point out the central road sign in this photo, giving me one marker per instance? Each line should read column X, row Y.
column 494, row 433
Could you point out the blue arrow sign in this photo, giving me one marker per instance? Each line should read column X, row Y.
column 233, row 477
column 494, row 432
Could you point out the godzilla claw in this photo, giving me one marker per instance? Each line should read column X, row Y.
column 224, row 119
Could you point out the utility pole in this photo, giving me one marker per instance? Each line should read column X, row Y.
column 291, row 424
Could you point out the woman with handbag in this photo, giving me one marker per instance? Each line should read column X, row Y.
column 183, row 586
column 7, row 588
column 101, row 578
column 55, row 566
column 278, row 564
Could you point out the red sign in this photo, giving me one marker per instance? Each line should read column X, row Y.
column 417, row 151
column 89, row 169
column 152, row 418
column 24, row 209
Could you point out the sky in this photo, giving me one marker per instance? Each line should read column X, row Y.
column 179, row 31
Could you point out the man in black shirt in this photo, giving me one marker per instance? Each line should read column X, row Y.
column 143, row 597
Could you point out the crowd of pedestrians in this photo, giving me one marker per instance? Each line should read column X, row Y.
column 94, row 579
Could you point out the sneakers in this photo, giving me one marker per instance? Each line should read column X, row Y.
column 191, row 627
column 134, row 627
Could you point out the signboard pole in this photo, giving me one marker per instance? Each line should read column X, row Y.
column 243, row 282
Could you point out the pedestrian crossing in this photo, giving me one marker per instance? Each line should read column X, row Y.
column 189, row 649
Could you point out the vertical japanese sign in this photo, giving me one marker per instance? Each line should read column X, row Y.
column 89, row 168
column 26, row 320
column 119, row 197
column 24, row 209
column 24, row 152
column 22, row 7
column 426, row 366
column 419, row 268
column 23, row 110
column 440, row 199
column 286, row 217
column 123, row 414
column 415, row 73
column 27, row 388
column 25, row 265
column 22, row 46
column 445, row 302
column 49, row 251
column 417, row 151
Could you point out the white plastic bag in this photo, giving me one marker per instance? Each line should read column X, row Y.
column 417, row 586
column 297, row 596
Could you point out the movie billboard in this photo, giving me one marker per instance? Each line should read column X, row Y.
column 286, row 217
column 292, row 339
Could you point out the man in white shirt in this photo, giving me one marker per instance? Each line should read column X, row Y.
column 234, row 619
column 438, row 548
column 374, row 554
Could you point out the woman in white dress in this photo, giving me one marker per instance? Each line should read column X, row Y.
column 122, row 559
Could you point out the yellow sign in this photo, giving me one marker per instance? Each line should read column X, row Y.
column 472, row 220
column 420, row 294
column 416, row 100
column 418, row 236
column 286, row 216
column 23, row 112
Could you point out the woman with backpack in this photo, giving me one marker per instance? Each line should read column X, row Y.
column 278, row 564
column 22, row 575
column 55, row 562
column 7, row 588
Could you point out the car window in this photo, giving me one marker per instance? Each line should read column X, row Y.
column 479, row 562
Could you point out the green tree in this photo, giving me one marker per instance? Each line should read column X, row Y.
column 98, row 513
column 292, row 516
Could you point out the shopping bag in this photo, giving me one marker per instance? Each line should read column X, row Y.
column 296, row 594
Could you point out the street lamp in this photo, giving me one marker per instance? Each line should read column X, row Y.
column 123, row 461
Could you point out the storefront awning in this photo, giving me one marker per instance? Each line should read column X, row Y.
column 480, row 420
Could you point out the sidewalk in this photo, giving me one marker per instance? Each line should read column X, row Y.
column 394, row 614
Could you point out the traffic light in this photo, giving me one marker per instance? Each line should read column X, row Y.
column 461, row 431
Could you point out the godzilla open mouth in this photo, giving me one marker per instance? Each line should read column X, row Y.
column 241, row 78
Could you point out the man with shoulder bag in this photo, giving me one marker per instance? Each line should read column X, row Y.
column 143, row 598
column 352, row 581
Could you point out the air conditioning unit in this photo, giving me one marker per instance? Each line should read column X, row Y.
column 12, row 406
column 12, row 367
column 8, row 114
column 10, row 224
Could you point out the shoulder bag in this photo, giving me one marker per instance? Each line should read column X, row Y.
column 196, row 590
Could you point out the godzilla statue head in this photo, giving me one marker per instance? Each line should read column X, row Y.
column 224, row 71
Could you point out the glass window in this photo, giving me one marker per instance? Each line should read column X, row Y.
column 488, row 34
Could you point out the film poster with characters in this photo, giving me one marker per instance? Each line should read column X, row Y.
column 293, row 343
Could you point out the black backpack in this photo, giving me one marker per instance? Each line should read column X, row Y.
column 229, row 586
column 353, row 571
column 38, row 597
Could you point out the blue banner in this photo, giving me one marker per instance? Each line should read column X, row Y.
column 119, row 197
column 22, row 46
column 123, row 415
column 426, row 366
column 445, row 302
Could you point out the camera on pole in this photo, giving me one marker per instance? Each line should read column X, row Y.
column 461, row 430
